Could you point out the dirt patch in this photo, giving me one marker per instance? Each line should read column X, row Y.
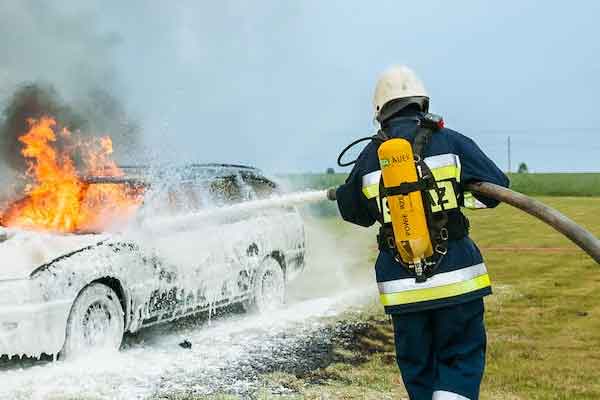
column 347, row 343
column 303, row 357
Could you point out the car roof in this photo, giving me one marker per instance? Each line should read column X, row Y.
column 199, row 166
column 148, row 174
column 190, row 171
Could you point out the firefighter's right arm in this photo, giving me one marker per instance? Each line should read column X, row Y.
column 351, row 201
column 476, row 166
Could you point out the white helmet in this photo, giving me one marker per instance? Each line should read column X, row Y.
column 396, row 82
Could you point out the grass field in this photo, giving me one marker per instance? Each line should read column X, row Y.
column 543, row 320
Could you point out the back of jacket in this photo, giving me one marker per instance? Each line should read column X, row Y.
column 454, row 160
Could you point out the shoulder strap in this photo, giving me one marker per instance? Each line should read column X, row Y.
column 428, row 124
column 381, row 136
column 420, row 142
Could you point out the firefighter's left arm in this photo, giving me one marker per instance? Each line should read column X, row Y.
column 352, row 203
column 477, row 167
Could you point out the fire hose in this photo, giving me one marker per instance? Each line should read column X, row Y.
column 550, row 216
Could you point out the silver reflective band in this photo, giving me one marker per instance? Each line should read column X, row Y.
column 442, row 160
column 439, row 161
column 446, row 278
column 471, row 201
column 371, row 178
column 443, row 395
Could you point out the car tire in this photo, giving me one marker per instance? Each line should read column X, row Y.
column 268, row 288
column 95, row 322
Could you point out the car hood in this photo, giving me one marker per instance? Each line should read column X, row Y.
column 21, row 252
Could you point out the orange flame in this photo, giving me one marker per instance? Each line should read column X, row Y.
column 59, row 200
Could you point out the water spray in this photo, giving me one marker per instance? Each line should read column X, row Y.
column 199, row 218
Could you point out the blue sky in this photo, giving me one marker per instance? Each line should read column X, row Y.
column 284, row 85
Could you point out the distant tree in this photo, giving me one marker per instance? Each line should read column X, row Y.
column 330, row 171
column 522, row 168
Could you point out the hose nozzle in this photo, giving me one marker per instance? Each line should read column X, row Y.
column 331, row 194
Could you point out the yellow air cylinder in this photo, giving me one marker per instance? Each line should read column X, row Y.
column 407, row 213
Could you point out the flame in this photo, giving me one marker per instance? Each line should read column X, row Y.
column 58, row 200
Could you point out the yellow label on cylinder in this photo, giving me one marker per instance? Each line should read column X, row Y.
column 407, row 212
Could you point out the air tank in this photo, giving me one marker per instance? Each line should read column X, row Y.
column 407, row 213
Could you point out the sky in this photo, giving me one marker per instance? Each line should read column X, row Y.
column 285, row 85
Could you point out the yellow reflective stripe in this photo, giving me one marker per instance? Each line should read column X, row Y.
column 370, row 184
column 441, row 279
column 447, row 172
column 371, row 191
column 435, row 293
column 449, row 200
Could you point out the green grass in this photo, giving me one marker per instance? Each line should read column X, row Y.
column 543, row 319
column 558, row 184
column 564, row 184
column 544, row 322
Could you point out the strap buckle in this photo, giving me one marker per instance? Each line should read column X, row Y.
column 441, row 249
column 390, row 242
column 444, row 235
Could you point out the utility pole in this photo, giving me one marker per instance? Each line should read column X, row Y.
column 509, row 161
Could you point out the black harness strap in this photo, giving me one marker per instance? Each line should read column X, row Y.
column 437, row 222
column 408, row 187
column 421, row 139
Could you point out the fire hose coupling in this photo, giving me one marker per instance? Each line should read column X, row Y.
column 331, row 194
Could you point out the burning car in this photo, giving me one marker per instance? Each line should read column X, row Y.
column 86, row 258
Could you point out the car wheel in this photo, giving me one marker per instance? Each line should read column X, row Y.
column 268, row 288
column 95, row 322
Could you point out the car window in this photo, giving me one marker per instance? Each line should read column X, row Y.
column 226, row 190
column 176, row 198
column 260, row 187
column 194, row 193
column 191, row 196
column 236, row 188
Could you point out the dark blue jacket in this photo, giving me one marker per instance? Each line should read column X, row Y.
column 462, row 275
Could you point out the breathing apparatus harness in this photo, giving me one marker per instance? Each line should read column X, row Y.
column 421, row 239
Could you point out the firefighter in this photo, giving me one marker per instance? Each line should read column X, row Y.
column 437, row 315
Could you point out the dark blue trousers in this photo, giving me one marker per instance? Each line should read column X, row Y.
column 441, row 352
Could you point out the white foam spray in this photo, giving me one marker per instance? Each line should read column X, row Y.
column 337, row 279
column 191, row 219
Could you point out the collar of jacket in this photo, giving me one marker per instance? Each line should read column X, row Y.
column 403, row 125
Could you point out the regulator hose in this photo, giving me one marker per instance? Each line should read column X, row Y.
column 351, row 145
column 550, row 216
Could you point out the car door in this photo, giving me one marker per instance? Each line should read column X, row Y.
column 199, row 264
column 274, row 232
column 173, row 254
column 233, row 246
